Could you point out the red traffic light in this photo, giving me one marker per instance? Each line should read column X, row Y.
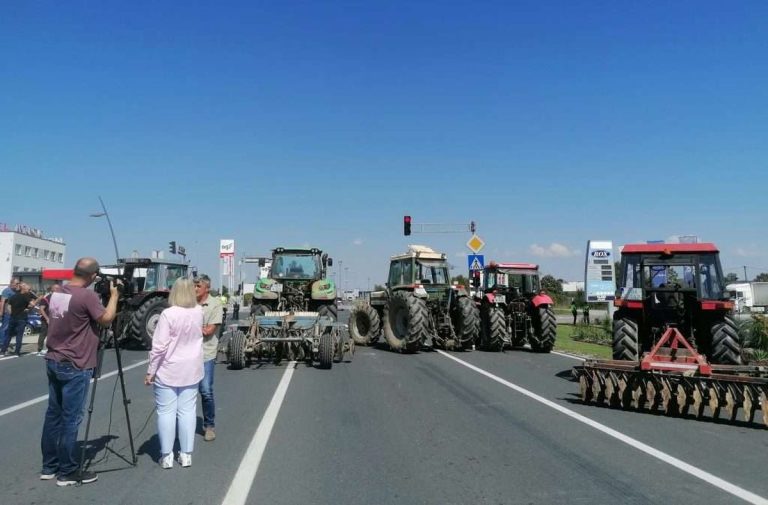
column 406, row 225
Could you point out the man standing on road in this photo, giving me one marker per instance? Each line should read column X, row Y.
column 19, row 304
column 213, row 317
column 5, row 313
column 585, row 313
column 574, row 311
column 42, row 305
column 73, row 342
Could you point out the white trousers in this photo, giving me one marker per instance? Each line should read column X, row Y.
column 176, row 404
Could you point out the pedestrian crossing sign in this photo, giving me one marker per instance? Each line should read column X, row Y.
column 475, row 262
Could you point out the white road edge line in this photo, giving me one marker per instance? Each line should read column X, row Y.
column 666, row 458
column 39, row 399
column 243, row 479
column 579, row 358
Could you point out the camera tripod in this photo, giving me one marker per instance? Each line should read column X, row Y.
column 107, row 336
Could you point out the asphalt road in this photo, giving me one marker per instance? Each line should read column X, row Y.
column 389, row 429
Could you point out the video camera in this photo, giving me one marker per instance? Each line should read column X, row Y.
column 102, row 285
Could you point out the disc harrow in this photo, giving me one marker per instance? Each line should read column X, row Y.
column 674, row 380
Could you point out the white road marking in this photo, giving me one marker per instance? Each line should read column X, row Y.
column 243, row 479
column 39, row 399
column 579, row 358
column 707, row 477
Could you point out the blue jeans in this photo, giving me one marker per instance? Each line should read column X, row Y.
column 4, row 329
column 206, row 394
column 67, row 391
column 175, row 404
column 15, row 329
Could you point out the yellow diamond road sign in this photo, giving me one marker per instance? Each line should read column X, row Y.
column 475, row 244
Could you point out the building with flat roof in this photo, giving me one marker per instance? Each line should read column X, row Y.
column 25, row 251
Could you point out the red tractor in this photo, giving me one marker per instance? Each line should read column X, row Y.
column 514, row 310
column 674, row 285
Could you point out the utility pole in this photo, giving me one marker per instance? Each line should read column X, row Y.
column 745, row 274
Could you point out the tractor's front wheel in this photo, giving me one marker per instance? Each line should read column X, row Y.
column 542, row 339
column 260, row 309
column 726, row 347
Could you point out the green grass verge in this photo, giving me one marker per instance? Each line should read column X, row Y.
column 565, row 343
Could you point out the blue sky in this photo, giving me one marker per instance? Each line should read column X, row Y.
column 282, row 123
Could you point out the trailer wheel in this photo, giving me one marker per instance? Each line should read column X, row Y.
column 364, row 325
column 144, row 320
column 406, row 322
column 495, row 329
column 236, row 351
column 626, row 344
column 329, row 310
column 325, row 349
column 726, row 347
column 466, row 322
column 542, row 338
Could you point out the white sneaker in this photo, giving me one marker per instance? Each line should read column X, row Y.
column 166, row 461
column 185, row 459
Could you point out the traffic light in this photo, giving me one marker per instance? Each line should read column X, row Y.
column 472, row 226
column 172, row 246
column 406, row 225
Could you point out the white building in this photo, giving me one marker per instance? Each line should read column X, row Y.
column 24, row 249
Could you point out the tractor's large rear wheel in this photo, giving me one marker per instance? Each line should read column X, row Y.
column 330, row 310
column 144, row 320
column 726, row 344
column 542, row 338
column 364, row 325
column 494, row 329
column 406, row 322
column 626, row 343
column 466, row 322
column 325, row 349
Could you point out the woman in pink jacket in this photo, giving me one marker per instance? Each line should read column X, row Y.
column 175, row 369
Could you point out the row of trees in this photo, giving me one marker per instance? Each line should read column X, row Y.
column 732, row 277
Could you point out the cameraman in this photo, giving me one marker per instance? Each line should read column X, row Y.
column 73, row 341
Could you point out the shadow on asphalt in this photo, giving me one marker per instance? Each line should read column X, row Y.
column 576, row 400
column 567, row 375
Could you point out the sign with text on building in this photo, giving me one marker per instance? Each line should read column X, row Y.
column 599, row 275
column 226, row 247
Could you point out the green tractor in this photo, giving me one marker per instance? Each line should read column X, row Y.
column 296, row 282
column 419, row 308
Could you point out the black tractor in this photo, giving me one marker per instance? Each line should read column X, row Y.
column 144, row 295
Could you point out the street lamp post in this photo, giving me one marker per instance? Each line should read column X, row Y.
column 104, row 213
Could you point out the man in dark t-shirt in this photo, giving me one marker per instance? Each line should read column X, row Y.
column 74, row 314
column 19, row 304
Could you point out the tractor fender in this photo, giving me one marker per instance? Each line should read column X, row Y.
column 324, row 289
column 263, row 290
column 540, row 300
